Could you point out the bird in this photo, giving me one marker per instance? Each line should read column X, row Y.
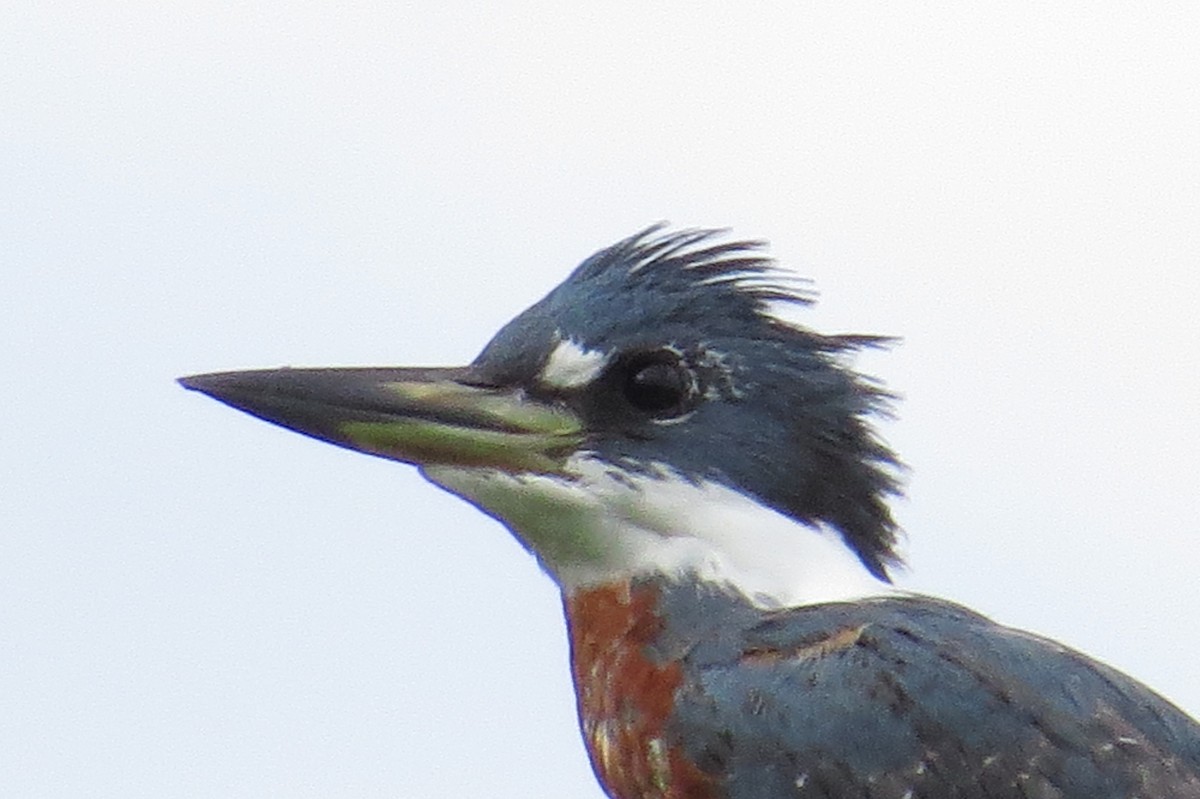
column 703, row 478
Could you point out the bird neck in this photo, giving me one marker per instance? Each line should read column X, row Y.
column 626, row 693
column 602, row 526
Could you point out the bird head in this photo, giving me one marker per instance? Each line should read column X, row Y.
column 651, row 415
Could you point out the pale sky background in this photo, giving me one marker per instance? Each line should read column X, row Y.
column 197, row 604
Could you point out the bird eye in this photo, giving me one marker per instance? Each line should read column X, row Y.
column 658, row 383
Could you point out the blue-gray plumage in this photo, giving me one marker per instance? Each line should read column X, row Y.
column 908, row 697
column 702, row 480
column 683, row 298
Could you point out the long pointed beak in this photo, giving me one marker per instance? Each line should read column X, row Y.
column 420, row 416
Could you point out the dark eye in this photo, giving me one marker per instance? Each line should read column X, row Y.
column 658, row 383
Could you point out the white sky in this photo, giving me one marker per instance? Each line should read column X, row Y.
column 196, row 604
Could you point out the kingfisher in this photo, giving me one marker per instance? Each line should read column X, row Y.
column 701, row 476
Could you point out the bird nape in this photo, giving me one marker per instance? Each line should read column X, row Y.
column 702, row 480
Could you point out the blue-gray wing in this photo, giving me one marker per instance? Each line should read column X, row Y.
column 902, row 698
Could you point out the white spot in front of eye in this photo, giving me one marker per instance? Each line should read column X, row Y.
column 571, row 366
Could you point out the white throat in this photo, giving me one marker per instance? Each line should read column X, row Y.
column 605, row 526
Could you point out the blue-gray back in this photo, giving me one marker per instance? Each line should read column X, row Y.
column 909, row 697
